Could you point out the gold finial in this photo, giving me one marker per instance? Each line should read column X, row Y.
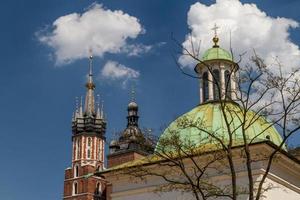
column 215, row 39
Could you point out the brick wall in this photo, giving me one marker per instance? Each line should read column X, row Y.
column 117, row 159
column 86, row 187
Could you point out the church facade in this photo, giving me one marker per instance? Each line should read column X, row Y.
column 89, row 179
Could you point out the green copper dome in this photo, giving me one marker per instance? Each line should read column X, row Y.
column 209, row 118
column 216, row 53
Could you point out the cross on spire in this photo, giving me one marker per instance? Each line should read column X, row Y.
column 215, row 29
column 91, row 61
column 90, row 99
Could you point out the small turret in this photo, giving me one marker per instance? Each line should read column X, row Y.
column 132, row 143
column 217, row 73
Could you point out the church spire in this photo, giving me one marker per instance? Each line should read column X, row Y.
column 89, row 115
column 132, row 109
column 90, row 99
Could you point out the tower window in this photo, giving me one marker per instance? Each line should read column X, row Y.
column 76, row 171
column 89, row 145
column 77, row 149
column 75, row 188
column 99, row 150
column 227, row 84
column 98, row 188
column 217, row 86
column 205, row 86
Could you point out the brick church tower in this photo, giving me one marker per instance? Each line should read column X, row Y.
column 88, row 138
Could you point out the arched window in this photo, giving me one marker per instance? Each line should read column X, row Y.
column 227, row 84
column 76, row 171
column 75, row 188
column 77, row 149
column 89, row 145
column 98, row 188
column 205, row 86
column 217, row 85
column 99, row 149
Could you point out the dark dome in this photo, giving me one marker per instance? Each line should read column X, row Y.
column 131, row 133
column 113, row 143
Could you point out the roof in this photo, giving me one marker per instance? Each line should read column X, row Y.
column 216, row 53
column 153, row 159
column 206, row 122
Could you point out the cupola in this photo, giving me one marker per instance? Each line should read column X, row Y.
column 217, row 74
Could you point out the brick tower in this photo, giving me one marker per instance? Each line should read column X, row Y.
column 88, row 138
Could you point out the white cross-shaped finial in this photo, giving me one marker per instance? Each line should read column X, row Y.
column 215, row 28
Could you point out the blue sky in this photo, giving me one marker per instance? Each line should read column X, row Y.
column 38, row 95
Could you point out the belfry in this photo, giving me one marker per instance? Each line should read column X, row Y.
column 88, row 139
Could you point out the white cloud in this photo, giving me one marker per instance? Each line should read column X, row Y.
column 99, row 29
column 113, row 70
column 250, row 27
column 136, row 49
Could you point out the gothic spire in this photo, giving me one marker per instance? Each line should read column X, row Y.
column 90, row 99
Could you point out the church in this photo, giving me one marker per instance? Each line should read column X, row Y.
column 90, row 178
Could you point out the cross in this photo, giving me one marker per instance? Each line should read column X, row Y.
column 215, row 28
column 132, row 93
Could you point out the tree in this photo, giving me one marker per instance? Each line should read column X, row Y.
column 184, row 165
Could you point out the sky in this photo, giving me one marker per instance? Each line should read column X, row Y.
column 44, row 50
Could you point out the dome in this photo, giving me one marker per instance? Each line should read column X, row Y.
column 131, row 132
column 209, row 118
column 113, row 143
column 132, row 105
column 216, row 53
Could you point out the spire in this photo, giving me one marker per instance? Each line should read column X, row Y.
column 102, row 110
column 98, row 113
column 132, row 117
column 76, row 115
column 88, row 114
column 90, row 99
column 80, row 108
column 132, row 94
column 216, row 38
column 73, row 117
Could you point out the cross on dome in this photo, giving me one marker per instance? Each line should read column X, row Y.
column 215, row 39
column 215, row 29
